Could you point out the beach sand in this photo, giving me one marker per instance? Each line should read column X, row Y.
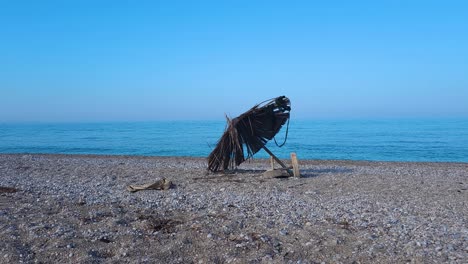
column 76, row 209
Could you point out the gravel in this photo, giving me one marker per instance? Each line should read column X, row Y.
column 76, row 208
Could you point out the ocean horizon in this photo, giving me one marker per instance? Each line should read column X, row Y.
column 430, row 140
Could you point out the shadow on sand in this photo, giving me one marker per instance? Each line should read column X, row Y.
column 309, row 173
column 305, row 173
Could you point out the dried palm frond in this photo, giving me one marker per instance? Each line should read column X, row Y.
column 251, row 130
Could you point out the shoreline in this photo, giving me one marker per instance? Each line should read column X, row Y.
column 74, row 207
column 126, row 156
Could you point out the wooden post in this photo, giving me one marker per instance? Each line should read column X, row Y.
column 278, row 160
column 295, row 165
column 272, row 162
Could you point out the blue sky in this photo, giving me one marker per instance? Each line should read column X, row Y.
column 153, row 60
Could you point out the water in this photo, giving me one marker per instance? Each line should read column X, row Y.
column 378, row 140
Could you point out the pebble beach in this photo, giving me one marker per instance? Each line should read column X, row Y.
column 77, row 209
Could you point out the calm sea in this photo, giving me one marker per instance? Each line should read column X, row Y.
column 378, row 140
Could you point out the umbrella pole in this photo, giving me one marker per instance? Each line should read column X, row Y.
column 278, row 160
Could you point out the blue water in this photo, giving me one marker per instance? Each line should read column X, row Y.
column 378, row 140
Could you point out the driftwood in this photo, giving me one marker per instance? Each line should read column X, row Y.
column 163, row 184
column 249, row 133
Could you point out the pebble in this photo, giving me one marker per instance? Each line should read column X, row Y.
column 267, row 258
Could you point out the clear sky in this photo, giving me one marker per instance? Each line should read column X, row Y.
column 152, row 60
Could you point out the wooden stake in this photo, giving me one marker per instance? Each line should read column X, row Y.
column 272, row 162
column 295, row 165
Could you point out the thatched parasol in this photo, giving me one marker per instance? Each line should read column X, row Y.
column 251, row 130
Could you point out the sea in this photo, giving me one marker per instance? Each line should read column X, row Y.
column 432, row 140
